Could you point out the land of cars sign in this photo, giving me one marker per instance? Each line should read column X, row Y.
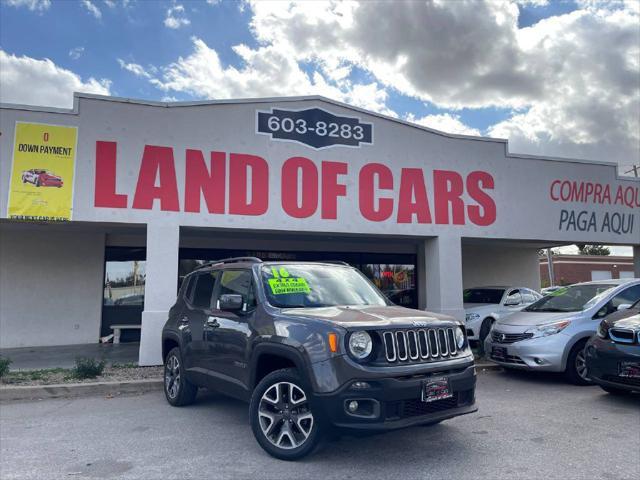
column 306, row 187
column 214, row 165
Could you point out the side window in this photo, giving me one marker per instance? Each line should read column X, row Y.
column 528, row 296
column 188, row 291
column 236, row 282
column 628, row 296
column 514, row 298
column 203, row 289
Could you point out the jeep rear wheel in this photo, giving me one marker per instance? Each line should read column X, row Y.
column 178, row 390
column 282, row 419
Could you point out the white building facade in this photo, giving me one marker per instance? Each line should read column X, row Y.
column 159, row 187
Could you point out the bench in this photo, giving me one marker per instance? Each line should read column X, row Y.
column 118, row 328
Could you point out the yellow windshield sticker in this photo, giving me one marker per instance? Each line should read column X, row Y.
column 288, row 285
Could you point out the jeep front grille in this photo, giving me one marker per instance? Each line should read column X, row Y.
column 419, row 345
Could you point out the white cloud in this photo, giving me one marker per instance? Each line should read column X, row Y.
column 445, row 122
column 267, row 71
column 110, row 3
column 571, row 79
column 76, row 53
column 176, row 17
column 135, row 68
column 30, row 81
column 33, row 5
column 92, row 9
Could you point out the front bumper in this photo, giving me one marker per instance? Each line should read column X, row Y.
column 544, row 353
column 397, row 401
column 603, row 358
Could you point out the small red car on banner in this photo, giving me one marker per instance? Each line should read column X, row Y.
column 41, row 178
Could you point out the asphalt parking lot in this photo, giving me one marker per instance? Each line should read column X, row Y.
column 527, row 427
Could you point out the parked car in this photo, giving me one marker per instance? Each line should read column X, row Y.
column 313, row 347
column 41, row 178
column 482, row 305
column 613, row 354
column 551, row 334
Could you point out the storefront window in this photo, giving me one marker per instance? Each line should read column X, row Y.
column 396, row 281
column 124, row 283
column 123, row 291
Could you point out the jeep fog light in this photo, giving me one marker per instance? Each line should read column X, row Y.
column 353, row 406
column 360, row 344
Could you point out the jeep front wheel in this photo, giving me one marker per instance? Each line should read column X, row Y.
column 281, row 416
column 177, row 388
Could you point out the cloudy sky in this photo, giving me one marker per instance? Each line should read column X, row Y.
column 558, row 78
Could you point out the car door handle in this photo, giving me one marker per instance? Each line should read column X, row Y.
column 212, row 322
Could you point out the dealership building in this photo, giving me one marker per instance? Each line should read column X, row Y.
column 106, row 206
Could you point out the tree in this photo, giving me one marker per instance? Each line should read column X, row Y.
column 593, row 249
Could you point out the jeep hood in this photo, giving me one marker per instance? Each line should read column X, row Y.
column 372, row 316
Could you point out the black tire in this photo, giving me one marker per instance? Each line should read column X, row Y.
column 573, row 369
column 615, row 391
column 177, row 389
column 484, row 333
column 272, row 413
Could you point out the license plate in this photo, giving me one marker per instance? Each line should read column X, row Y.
column 499, row 353
column 436, row 389
column 629, row 369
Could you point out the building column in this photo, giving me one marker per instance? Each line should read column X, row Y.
column 440, row 276
column 636, row 261
column 163, row 242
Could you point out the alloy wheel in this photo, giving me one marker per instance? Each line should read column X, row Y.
column 172, row 377
column 284, row 415
column 581, row 365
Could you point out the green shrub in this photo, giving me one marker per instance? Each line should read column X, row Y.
column 4, row 366
column 88, row 367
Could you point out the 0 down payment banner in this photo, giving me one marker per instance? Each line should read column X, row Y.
column 42, row 172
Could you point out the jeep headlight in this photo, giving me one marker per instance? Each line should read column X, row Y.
column 548, row 328
column 360, row 344
column 471, row 317
column 459, row 338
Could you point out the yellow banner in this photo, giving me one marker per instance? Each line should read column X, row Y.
column 42, row 173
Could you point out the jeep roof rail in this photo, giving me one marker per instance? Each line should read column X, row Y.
column 335, row 262
column 230, row 260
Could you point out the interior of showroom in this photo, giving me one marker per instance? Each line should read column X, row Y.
column 158, row 189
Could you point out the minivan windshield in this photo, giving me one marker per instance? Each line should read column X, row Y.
column 309, row 285
column 482, row 295
column 571, row 299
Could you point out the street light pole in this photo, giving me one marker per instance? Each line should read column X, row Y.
column 552, row 281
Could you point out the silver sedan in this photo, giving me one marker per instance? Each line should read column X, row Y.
column 551, row 333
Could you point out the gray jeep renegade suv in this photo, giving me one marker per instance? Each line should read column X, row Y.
column 312, row 347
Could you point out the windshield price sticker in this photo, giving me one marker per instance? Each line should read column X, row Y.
column 284, row 286
column 314, row 127
column 283, row 283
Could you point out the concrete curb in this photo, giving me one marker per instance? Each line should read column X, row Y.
column 70, row 390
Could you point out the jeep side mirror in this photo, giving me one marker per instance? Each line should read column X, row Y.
column 230, row 302
column 624, row 306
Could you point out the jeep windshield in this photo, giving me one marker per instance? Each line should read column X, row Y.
column 310, row 285
column 571, row 299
